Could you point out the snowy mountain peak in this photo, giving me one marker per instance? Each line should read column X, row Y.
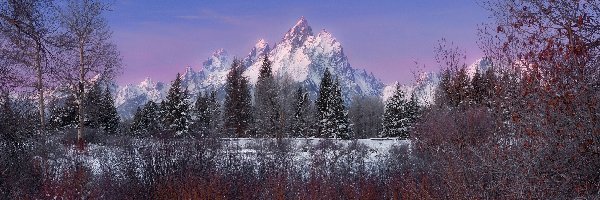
column 147, row 82
column 217, row 62
column 260, row 49
column 262, row 45
column 298, row 33
column 188, row 70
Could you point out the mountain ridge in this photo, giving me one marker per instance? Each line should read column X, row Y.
column 300, row 55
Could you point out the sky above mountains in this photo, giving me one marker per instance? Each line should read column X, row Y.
column 160, row 38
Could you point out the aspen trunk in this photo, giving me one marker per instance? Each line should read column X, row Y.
column 40, row 87
column 81, row 95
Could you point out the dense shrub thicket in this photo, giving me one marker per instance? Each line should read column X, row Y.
column 122, row 167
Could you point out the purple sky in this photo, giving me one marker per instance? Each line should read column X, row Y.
column 159, row 38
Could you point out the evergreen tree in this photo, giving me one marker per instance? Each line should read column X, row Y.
column 64, row 115
column 237, row 105
column 136, row 127
column 413, row 111
column 8, row 119
column 207, row 113
column 146, row 120
column 201, row 108
column 333, row 119
column 395, row 117
column 300, row 126
column 109, row 118
column 266, row 105
column 175, row 108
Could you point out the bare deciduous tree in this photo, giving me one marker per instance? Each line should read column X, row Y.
column 88, row 49
column 26, row 28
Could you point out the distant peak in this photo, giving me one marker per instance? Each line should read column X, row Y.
column 219, row 52
column 147, row 82
column 325, row 33
column 188, row 69
column 299, row 32
column 302, row 22
column 261, row 44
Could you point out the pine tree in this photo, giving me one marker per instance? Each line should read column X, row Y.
column 214, row 116
column 201, row 114
column 413, row 111
column 207, row 112
column 237, row 105
column 300, row 121
column 340, row 114
column 146, row 120
column 333, row 119
column 175, row 108
column 395, row 117
column 64, row 115
column 266, row 103
column 136, row 127
column 109, row 118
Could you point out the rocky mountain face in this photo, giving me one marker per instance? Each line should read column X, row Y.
column 301, row 56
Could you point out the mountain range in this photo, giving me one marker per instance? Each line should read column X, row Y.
column 301, row 56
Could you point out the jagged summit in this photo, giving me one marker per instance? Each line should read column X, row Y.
column 216, row 61
column 259, row 50
column 298, row 33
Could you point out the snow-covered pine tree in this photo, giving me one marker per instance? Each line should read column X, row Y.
column 146, row 120
column 237, row 114
column 395, row 117
column 266, row 103
column 201, row 114
column 175, row 108
column 333, row 118
column 339, row 112
column 206, row 111
column 300, row 121
column 109, row 118
column 324, row 114
column 413, row 111
column 136, row 123
column 214, row 115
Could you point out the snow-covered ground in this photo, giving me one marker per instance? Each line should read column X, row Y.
column 137, row 155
